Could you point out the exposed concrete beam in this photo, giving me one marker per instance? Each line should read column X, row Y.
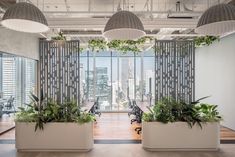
column 99, row 23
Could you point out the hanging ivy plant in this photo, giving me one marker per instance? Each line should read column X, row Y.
column 81, row 49
column 123, row 46
column 205, row 40
column 60, row 36
column 97, row 44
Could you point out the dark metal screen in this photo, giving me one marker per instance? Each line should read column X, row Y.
column 60, row 70
column 175, row 70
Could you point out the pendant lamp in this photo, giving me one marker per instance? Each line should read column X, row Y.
column 124, row 25
column 217, row 20
column 25, row 17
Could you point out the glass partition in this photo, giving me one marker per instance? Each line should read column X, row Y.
column 17, row 79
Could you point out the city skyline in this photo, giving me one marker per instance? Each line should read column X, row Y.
column 113, row 92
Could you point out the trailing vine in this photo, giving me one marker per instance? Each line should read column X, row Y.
column 97, row 44
column 205, row 40
column 60, row 36
column 123, row 46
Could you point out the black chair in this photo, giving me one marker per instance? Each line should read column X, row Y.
column 136, row 112
column 1, row 112
column 139, row 120
column 138, row 116
column 130, row 105
column 9, row 107
column 96, row 108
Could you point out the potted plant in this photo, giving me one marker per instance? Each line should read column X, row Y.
column 50, row 126
column 176, row 125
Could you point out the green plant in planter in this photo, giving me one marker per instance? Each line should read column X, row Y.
column 52, row 111
column 38, row 104
column 42, row 112
column 169, row 110
column 208, row 112
column 70, row 111
column 165, row 110
column 26, row 114
column 84, row 118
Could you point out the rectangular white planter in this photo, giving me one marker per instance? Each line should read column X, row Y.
column 158, row 136
column 54, row 137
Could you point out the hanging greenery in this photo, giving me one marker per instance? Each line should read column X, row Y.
column 205, row 40
column 123, row 46
column 97, row 44
column 81, row 49
column 60, row 36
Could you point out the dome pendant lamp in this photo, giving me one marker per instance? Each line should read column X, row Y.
column 124, row 25
column 25, row 17
column 217, row 20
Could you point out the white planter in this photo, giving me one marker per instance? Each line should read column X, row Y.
column 54, row 137
column 157, row 136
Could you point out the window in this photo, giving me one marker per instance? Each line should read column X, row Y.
column 17, row 78
column 114, row 78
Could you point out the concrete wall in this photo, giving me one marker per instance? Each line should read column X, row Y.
column 215, row 76
column 21, row 44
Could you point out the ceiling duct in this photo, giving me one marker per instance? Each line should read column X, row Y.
column 185, row 13
column 101, row 16
column 182, row 15
column 81, row 32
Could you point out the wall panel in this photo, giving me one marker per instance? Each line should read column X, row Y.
column 60, row 70
column 175, row 70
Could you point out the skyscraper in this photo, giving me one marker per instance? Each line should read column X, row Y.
column 149, row 79
column 127, row 76
column 101, row 86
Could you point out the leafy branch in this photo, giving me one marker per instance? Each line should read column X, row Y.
column 97, row 44
column 60, row 36
column 205, row 40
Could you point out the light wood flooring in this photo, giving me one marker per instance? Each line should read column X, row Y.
column 6, row 123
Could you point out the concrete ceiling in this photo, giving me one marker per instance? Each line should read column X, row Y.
column 86, row 18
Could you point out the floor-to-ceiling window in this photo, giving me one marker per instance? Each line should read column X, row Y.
column 17, row 79
column 114, row 78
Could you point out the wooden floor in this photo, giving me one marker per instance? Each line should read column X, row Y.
column 6, row 123
column 117, row 126
column 227, row 134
